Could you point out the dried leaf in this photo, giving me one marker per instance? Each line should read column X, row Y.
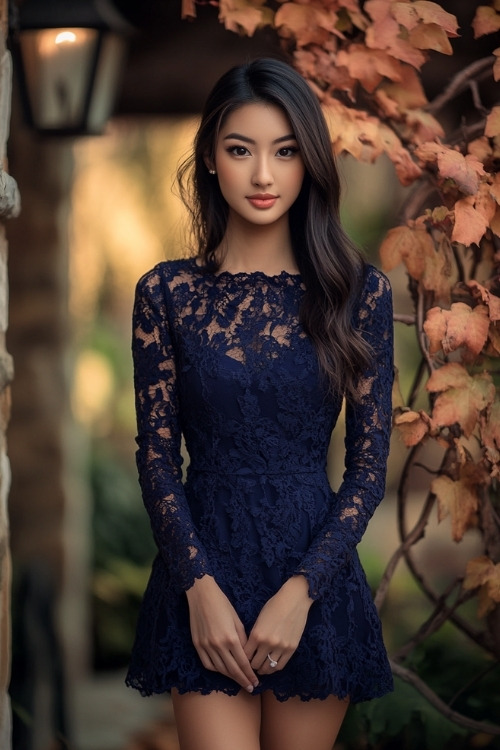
column 430, row 36
column 458, row 500
column 489, row 299
column 369, row 66
column 480, row 148
column 490, row 433
column 482, row 573
column 492, row 127
column 486, row 21
column 384, row 33
column 244, row 16
column 305, row 24
column 407, row 245
column 408, row 92
column 461, row 396
column 412, row 426
column 424, row 126
column 463, row 170
column 432, row 13
column 495, row 223
column 470, row 225
column 495, row 187
column 188, row 9
column 460, row 326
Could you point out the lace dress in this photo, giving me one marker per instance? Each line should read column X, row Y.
column 223, row 360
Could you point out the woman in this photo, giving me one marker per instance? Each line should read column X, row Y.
column 257, row 616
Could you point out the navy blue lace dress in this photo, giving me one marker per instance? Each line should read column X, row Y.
column 223, row 360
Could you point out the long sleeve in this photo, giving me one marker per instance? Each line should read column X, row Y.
column 158, row 456
column 368, row 427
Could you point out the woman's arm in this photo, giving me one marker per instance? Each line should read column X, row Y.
column 368, row 428
column 158, row 456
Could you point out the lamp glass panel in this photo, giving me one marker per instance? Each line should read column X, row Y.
column 108, row 70
column 58, row 64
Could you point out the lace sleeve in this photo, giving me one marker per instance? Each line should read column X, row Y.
column 158, row 456
column 368, row 427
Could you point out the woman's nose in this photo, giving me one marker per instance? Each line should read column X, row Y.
column 262, row 174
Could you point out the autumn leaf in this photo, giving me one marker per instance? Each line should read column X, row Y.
column 412, row 426
column 480, row 148
column 465, row 171
column 492, row 127
column 495, row 223
column 407, row 245
column 432, row 13
column 423, row 126
column 461, row 396
column 430, row 36
column 460, row 326
column 244, row 16
column 486, row 21
column 489, row 299
column 384, row 33
column 408, row 91
column 369, row 66
column 489, row 427
column 188, row 9
column 470, row 224
column 305, row 24
column 458, row 500
column 482, row 573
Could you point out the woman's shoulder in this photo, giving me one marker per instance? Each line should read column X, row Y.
column 170, row 273
column 375, row 282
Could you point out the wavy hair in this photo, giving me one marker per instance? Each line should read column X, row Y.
column 331, row 267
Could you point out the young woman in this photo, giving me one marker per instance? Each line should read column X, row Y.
column 258, row 617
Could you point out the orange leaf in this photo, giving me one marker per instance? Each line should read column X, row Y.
column 188, row 9
column 492, row 127
column 430, row 36
column 432, row 13
column 495, row 187
column 458, row 500
column 403, row 244
column 244, row 16
column 461, row 396
column 495, row 223
column 484, row 203
column 305, row 24
column 470, row 225
column 408, row 92
column 490, row 433
column 369, row 66
column 489, row 299
column 425, row 127
column 464, row 170
column 459, row 326
column 480, row 148
column 486, row 21
column 384, row 33
column 412, row 426
column 482, row 573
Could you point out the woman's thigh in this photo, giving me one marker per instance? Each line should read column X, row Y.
column 217, row 721
column 300, row 725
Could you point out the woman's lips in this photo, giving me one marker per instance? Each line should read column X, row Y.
column 262, row 201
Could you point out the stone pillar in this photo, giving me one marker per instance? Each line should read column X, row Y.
column 9, row 206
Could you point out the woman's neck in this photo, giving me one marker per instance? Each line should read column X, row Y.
column 250, row 248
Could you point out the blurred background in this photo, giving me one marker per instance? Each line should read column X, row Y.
column 98, row 211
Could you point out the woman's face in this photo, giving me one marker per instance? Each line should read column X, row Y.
column 258, row 163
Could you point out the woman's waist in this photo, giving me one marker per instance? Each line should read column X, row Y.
column 257, row 465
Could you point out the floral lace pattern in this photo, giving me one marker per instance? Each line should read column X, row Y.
column 223, row 361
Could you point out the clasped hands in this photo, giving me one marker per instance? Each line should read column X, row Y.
column 220, row 638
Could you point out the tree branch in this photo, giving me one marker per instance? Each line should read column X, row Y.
column 461, row 81
column 414, row 680
column 408, row 320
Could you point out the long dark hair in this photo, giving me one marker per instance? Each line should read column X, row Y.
column 331, row 266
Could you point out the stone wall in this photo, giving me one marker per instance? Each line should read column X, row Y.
column 9, row 206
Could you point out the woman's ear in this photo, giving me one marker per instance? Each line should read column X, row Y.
column 209, row 164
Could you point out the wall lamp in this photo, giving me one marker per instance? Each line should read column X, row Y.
column 68, row 55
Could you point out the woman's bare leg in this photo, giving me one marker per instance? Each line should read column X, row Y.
column 217, row 721
column 300, row 725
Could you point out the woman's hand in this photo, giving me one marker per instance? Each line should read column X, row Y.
column 218, row 633
column 279, row 626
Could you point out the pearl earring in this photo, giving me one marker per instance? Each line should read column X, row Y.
column 212, row 171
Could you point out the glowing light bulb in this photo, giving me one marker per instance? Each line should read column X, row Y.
column 65, row 37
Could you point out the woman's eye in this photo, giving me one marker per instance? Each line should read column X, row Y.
column 238, row 150
column 287, row 151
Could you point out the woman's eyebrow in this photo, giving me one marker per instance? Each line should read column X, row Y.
column 245, row 139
